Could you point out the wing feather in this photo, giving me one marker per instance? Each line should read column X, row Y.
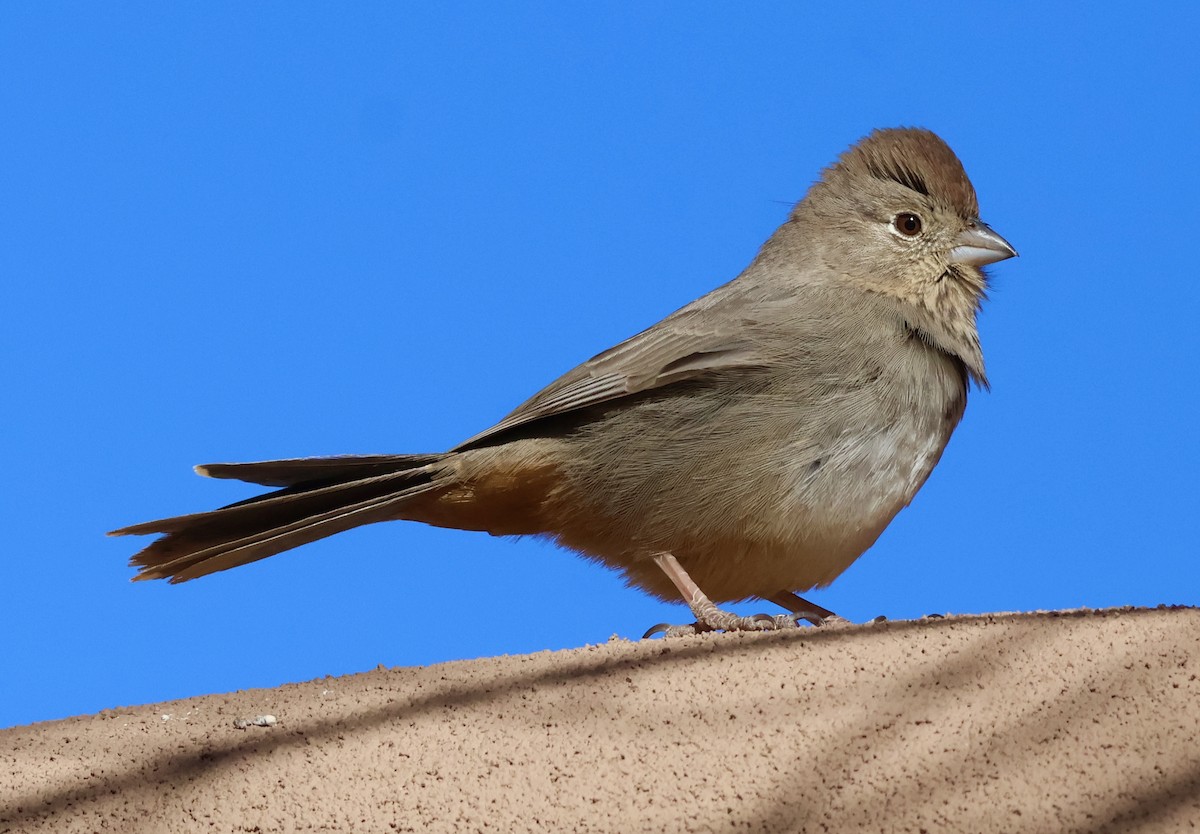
column 677, row 349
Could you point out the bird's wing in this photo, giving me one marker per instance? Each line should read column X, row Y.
column 687, row 345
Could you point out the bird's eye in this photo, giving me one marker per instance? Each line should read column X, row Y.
column 907, row 224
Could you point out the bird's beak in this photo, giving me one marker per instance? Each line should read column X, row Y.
column 978, row 245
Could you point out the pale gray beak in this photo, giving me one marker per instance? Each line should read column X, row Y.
column 978, row 245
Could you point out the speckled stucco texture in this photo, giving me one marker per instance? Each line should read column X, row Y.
column 1075, row 721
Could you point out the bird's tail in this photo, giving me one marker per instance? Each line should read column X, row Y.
column 319, row 497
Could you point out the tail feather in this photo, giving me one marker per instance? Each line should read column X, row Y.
column 289, row 472
column 288, row 502
column 307, row 510
column 260, row 545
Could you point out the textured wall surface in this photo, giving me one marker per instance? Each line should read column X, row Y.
column 1069, row 721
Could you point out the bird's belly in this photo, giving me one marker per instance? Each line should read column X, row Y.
column 826, row 510
column 842, row 498
column 866, row 477
column 768, row 510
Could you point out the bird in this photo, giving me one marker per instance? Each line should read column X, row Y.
column 749, row 446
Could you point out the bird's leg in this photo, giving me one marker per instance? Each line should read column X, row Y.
column 801, row 608
column 708, row 616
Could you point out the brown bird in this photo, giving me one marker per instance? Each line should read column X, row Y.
column 752, row 444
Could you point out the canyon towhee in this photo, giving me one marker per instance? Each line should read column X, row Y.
column 752, row 444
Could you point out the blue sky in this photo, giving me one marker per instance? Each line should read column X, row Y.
column 243, row 231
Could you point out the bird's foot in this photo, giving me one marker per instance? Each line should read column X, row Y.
column 802, row 609
column 711, row 618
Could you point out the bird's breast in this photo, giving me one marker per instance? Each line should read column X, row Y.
column 845, row 484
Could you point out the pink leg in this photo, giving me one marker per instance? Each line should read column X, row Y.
column 708, row 616
column 802, row 608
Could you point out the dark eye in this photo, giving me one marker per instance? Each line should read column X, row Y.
column 907, row 224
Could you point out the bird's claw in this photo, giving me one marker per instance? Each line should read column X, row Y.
column 723, row 621
column 667, row 630
column 658, row 628
column 810, row 616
